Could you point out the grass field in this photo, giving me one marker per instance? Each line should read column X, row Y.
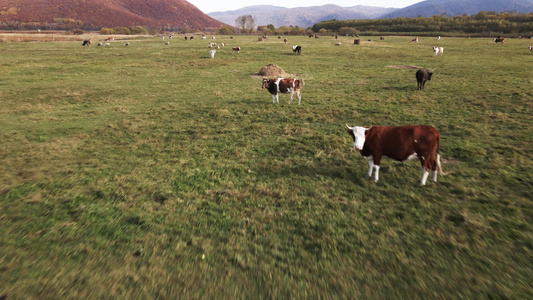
column 153, row 171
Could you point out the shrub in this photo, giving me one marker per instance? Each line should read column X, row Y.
column 138, row 30
column 225, row 30
column 107, row 31
column 121, row 30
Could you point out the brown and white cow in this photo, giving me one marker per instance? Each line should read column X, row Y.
column 236, row 49
column 400, row 143
column 282, row 85
column 437, row 50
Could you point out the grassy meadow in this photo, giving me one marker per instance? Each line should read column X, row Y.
column 156, row 172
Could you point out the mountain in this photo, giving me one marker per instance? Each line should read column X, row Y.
column 109, row 13
column 300, row 16
column 459, row 7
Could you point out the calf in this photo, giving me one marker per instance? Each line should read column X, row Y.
column 400, row 143
column 437, row 50
column 297, row 49
column 282, row 85
column 421, row 77
column 238, row 49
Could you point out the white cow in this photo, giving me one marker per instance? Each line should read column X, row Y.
column 212, row 53
column 530, row 48
column 437, row 50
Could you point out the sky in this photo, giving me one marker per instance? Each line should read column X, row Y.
column 208, row 6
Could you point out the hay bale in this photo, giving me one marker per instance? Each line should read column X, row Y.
column 272, row 70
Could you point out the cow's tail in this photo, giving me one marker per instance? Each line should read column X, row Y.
column 439, row 166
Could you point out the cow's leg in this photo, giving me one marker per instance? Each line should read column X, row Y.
column 376, row 173
column 370, row 167
column 277, row 98
column 436, row 169
column 425, row 174
column 273, row 98
column 376, row 161
column 292, row 94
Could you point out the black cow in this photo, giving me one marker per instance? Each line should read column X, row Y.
column 297, row 49
column 421, row 77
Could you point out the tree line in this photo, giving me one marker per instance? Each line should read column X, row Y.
column 482, row 24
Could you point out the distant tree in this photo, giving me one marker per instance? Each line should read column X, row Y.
column 271, row 27
column 77, row 31
column 297, row 31
column 283, row 30
column 245, row 23
column 348, row 31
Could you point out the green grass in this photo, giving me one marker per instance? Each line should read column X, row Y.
column 153, row 171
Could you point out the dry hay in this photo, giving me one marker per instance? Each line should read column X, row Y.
column 272, row 71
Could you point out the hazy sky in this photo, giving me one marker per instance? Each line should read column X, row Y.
column 207, row 6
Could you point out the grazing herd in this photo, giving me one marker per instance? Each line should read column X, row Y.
column 401, row 143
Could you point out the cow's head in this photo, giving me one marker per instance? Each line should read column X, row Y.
column 358, row 134
column 266, row 83
column 429, row 75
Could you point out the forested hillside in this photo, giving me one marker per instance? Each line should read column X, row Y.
column 483, row 24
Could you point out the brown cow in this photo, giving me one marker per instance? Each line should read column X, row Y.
column 400, row 143
column 282, row 85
